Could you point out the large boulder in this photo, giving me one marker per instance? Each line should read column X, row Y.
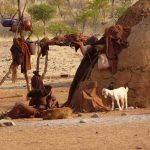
column 135, row 14
column 134, row 64
column 133, row 67
column 134, row 61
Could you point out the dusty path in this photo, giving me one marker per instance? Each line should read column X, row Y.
column 110, row 131
column 114, row 133
column 89, row 121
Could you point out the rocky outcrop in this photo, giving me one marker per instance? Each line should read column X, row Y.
column 133, row 67
column 134, row 62
column 135, row 14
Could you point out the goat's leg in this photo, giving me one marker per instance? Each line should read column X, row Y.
column 118, row 103
column 126, row 102
column 122, row 102
column 112, row 107
column 6, row 75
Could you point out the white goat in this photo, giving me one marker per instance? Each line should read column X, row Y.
column 117, row 94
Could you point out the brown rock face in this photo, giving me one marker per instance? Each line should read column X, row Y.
column 133, row 67
column 136, row 60
column 135, row 13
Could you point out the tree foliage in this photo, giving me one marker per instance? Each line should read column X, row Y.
column 72, row 14
column 43, row 12
column 6, row 9
column 37, row 29
column 121, row 9
column 59, row 4
column 58, row 28
column 98, row 10
column 83, row 18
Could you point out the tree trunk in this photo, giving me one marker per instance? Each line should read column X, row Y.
column 45, row 67
column 112, row 8
column 60, row 12
column 6, row 75
column 38, row 59
column 44, row 22
column 22, row 37
column 21, row 18
column 83, row 26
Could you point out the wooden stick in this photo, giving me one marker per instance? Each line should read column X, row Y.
column 27, row 81
column 13, row 96
column 6, row 75
column 45, row 67
column 22, row 37
column 38, row 59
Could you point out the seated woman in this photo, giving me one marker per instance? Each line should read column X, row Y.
column 37, row 83
column 37, row 105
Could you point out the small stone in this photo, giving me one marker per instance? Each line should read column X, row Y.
column 64, row 75
column 83, row 121
column 96, row 132
column 123, row 114
column 80, row 115
column 130, row 107
column 135, row 135
column 138, row 147
column 6, row 122
column 94, row 116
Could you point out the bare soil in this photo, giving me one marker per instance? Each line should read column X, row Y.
column 125, row 130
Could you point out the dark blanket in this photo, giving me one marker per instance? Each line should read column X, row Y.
column 44, row 49
column 83, row 71
column 21, row 54
column 115, row 40
column 44, row 46
column 87, row 100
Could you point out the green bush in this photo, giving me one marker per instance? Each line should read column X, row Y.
column 38, row 29
column 60, row 28
column 120, row 10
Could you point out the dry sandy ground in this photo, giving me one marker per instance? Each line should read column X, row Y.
column 61, row 135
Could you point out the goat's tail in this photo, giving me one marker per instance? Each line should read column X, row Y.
column 127, row 89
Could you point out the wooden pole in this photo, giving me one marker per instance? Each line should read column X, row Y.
column 20, row 18
column 38, row 56
column 38, row 59
column 22, row 37
column 6, row 75
column 45, row 67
